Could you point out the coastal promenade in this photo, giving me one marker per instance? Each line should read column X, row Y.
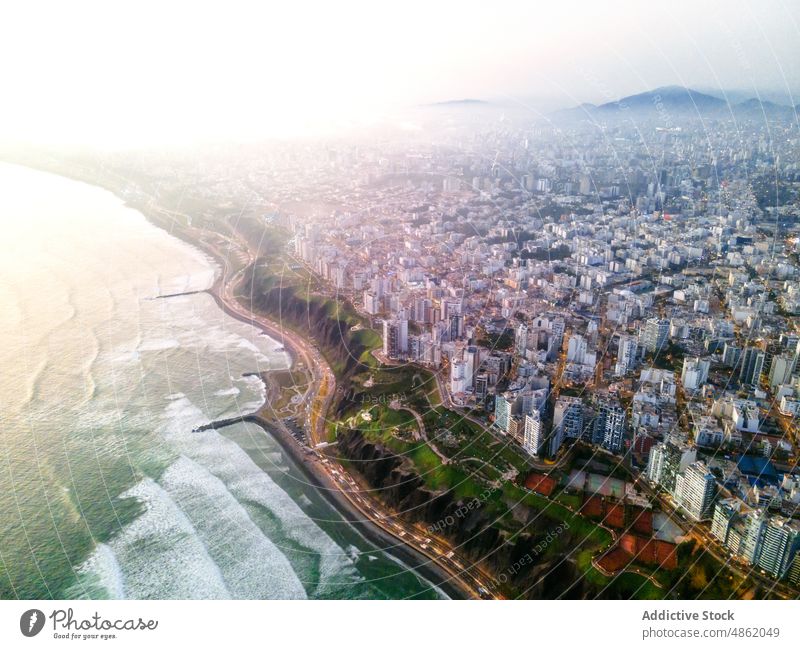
column 431, row 556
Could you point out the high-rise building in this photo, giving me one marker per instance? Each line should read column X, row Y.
column 568, row 418
column 779, row 544
column 391, row 339
column 516, row 428
column 694, row 373
column 666, row 461
column 471, row 361
column 694, row 491
column 755, row 525
column 521, row 340
column 402, row 324
column 794, row 570
column 567, row 423
column 609, row 427
column 420, row 348
column 481, row 385
column 456, row 328
column 534, row 433
column 726, row 513
column 395, row 337
column 585, row 186
column 556, row 338
column 458, row 381
column 505, row 405
column 781, row 369
column 771, row 349
column 372, row 303
column 655, row 334
column 752, row 363
column 626, row 355
column 731, row 355
column 791, row 341
column 423, row 311
column 576, row 349
column 534, row 399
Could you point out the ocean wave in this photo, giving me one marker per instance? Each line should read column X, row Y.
column 99, row 576
column 181, row 416
column 248, row 483
column 214, row 525
column 251, row 564
column 229, row 392
column 160, row 555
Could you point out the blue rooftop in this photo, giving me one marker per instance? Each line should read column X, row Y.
column 759, row 468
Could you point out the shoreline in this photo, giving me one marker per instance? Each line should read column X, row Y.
column 305, row 458
column 373, row 534
column 309, row 464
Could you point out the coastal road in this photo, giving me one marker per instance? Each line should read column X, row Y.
column 469, row 576
column 320, row 373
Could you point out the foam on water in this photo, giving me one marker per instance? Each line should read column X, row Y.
column 249, row 484
column 193, row 281
column 181, row 415
column 158, row 345
column 161, row 555
column 100, row 571
column 229, row 392
column 254, row 387
column 110, row 384
column 251, row 565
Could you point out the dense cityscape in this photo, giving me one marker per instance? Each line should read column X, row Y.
column 632, row 288
column 584, row 323
column 319, row 320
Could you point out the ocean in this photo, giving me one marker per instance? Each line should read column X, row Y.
column 105, row 491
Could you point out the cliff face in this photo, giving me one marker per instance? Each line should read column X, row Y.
column 317, row 317
column 520, row 564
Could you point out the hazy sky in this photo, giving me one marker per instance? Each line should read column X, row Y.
column 118, row 73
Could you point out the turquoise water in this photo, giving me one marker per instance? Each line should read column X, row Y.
column 104, row 489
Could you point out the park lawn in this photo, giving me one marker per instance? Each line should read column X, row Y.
column 434, row 396
column 584, row 562
column 568, row 500
column 593, row 534
column 437, row 476
column 632, row 585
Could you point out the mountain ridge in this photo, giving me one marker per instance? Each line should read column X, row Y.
column 677, row 101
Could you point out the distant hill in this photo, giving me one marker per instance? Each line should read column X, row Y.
column 670, row 103
column 738, row 95
column 755, row 108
